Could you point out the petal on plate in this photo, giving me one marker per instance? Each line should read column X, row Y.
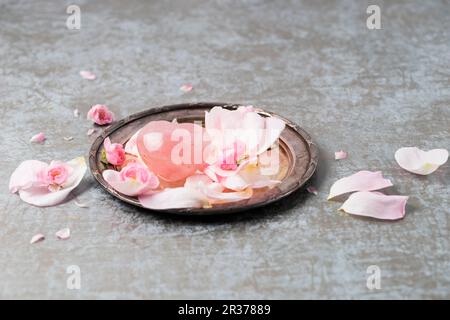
column 186, row 87
column 38, row 138
column 215, row 191
column 274, row 127
column 235, row 182
column 420, row 162
column 90, row 132
column 76, row 113
column 25, row 175
column 375, row 205
column 88, row 75
column 68, row 138
column 339, row 155
column 63, row 234
column 131, row 146
column 41, row 196
column 37, row 237
column 216, row 194
column 360, row 181
column 175, row 198
column 129, row 187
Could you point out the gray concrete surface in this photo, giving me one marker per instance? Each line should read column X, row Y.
column 368, row 92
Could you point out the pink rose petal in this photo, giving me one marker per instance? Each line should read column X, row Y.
column 339, row 155
column 63, row 234
column 37, row 237
column 420, row 162
column 186, row 87
column 360, row 181
column 87, row 75
column 38, row 138
column 312, row 190
column 375, row 205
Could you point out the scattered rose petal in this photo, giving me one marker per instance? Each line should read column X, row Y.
column 115, row 154
column 420, row 162
column 63, row 234
column 312, row 190
column 88, row 75
column 90, row 132
column 339, row 155
column 37, row 237
column 100, row 114
column 360, row 181
column 133, row 180
column 68, row 138
column 80, row 204
column 44, row 185
column 38, row 138
column 76, row 113
column 375, row 205
column 186, row 87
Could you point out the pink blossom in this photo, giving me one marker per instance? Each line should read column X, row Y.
column 133, row 180
column 115, row 154
column 100, row 114
column 55, row 175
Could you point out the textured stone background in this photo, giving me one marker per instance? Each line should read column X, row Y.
column 368, row 92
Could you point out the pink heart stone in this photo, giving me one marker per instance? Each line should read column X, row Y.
column 173, row 151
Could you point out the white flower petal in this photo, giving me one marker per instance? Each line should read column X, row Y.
column 37, row 237
column 25, row 175
column 174, row 198
column 420, row 162
column 339, row 155
column 63, row 234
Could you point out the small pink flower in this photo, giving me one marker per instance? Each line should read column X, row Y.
column 115, row 154
column 133, row 180
column 100, row 114
column 54, row 176
column 140, row 173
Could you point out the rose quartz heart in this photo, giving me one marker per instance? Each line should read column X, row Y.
column 173, row 151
